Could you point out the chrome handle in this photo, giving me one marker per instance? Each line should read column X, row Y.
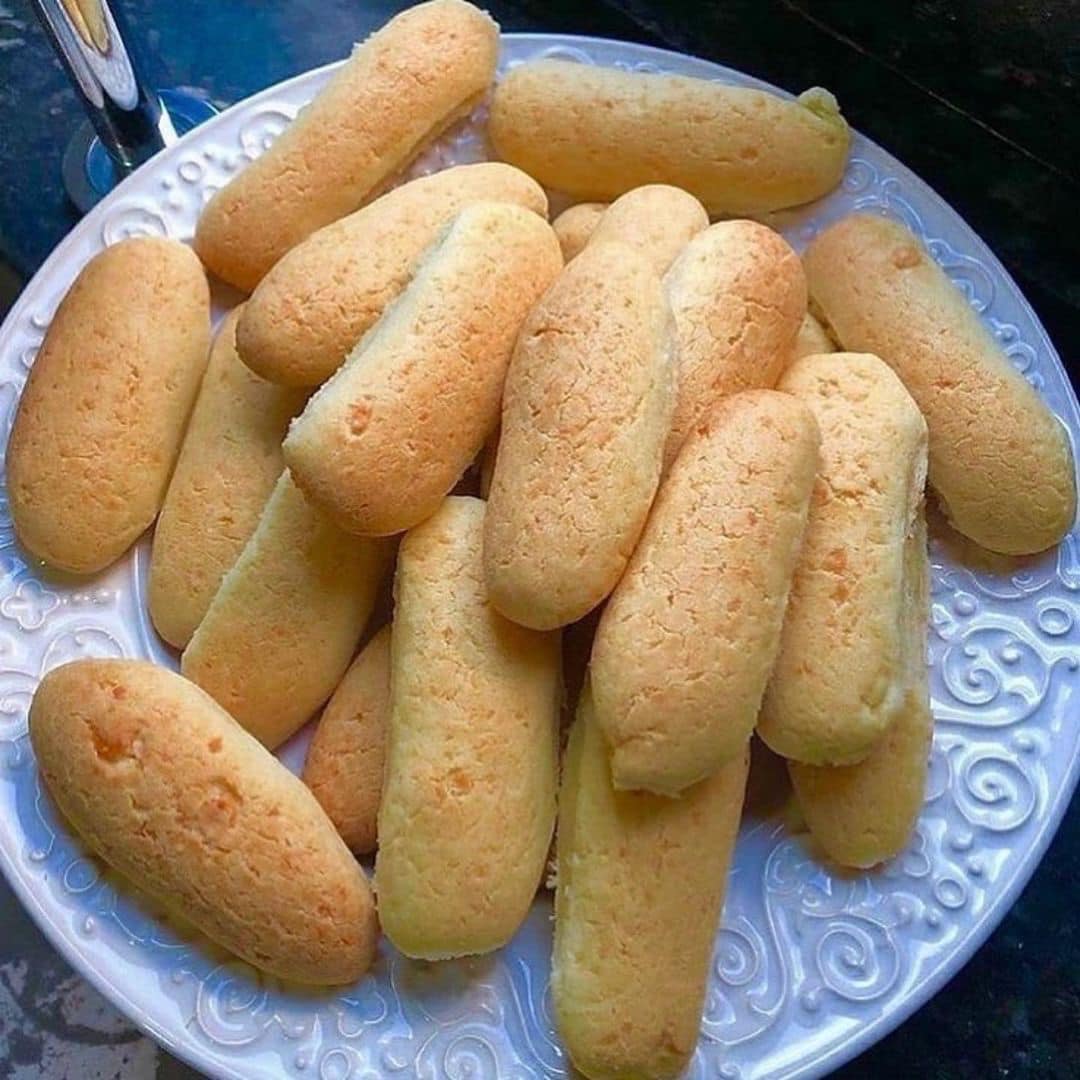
column 128, row 117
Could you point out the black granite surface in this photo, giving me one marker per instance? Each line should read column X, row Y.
column 980, row 99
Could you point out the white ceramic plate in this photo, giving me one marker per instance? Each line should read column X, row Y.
column 811, row 966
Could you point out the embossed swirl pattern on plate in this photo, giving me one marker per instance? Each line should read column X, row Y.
column 809, row 967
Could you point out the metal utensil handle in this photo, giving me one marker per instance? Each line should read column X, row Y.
column 128, row 117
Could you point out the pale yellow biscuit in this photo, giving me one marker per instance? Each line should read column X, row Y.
column 283, row 626
column 686, row 643
column 163, row 785
column 229, row 463
column 597, row 132
column 838, row 680
column 101, row 418
column 812, row 340
column 641, row 882
column 316, row 303
column 738, row 295
column 575, row 225
column 586, row 409
column 468, row 805
column 381, row 443
column 426, row 68
column 1000, row 461
column 344, row 765
column 863, row 814
column 657, row 220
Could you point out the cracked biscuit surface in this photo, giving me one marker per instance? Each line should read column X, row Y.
column 586, row 409
column 424, row 69
column 317, row 302
column 597, row 132
column 468, row 805
column 641, row 882
column 285, row 622
column 687, row 640
column 1000, row 461
column 863, row 814
column 163, row 785
column 228, row 465
column 738, row 294
column 839, row 678
column 386, row 438
column 656, row 220
column 101, row 419
column 344, row 764
column 575, row 225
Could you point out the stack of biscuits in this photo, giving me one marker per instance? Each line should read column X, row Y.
column 696, row 452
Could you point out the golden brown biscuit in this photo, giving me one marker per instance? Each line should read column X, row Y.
column 102, row 415
column 596, row 133
column 641, row 882
column 159, row 782
column 400, row 89
column 586, row 409
column 863, row 814
column 468, row 805
column 380, row 444
column 812, row 340
column 575, row 225
column 657, row 220
column 738, row 294
column 317, row 302
column 1000, row 461
column 229, row 463
column 686, row 643
column 838, row 680
column 283, row 626
column 344, row 765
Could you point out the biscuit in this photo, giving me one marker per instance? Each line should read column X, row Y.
column 1000, row 461
column 657, row 220
column 641, row 882
column 228, row 465
column 159, row 782
column 400, row 89
column 863, row 814
column 586, row 409
column 468, row 805
column 320, row 299
column 812, row 340
column 379, row 446
column 102, row 416
column 284, row 625
column 344, row 765
column 838, row 680
column 575, row 225
column 738, row 295
column 686, row 643
column 596, row 132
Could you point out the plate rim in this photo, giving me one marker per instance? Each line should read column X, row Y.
column 884, row 1023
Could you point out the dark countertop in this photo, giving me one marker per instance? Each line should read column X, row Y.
column 980, row 100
